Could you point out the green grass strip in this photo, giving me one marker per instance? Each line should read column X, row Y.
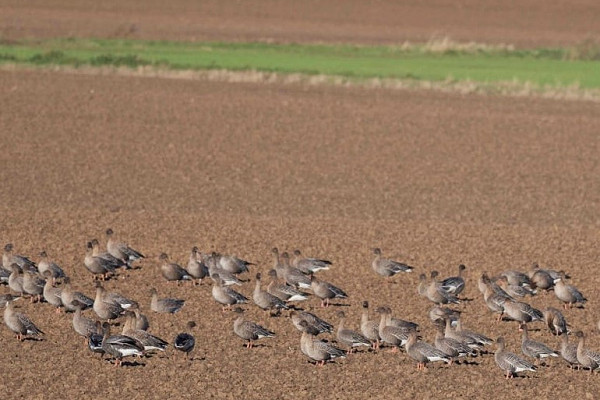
column 542, row 67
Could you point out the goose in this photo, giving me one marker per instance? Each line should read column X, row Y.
column 4, row 275
column 510, row 362
column 455, row 284
column 392, row 335
column 348, row 337
column 452, row 348
column 213, row 269
column 386, row 267
column 172, row 272
column 116, row 262
column 316, row 323
column 45, row 264
column 121, row 251
column 568, row 351
column 266, row 300
column 103, row 307
column 149, row 341
column 495, row 301
column 99, row 267
column 117, row 298
column 485, row 282
column 68, row 296
column 517, row 278
column 185, row 341
column 233, row 264
column 9, row 258
column 541, row 278
column 475, row 340
column 15, row 280
column 4, row 298
column 196, row 267
column 33, row 285
column 282, row 291
column 226, row 296
column 94, row 340
column 555, row 321
column 423, row 353
column 277, row 263
column 293, row 276
column 568, row 294
column 438, row 315
column 19, row 323
column 325, row 291
column 522, row 312
column 166, row 305
column 83, row 325
column 369, row 328
column 309, row 265
column 587, row 358
column 515, row 291
column 318, row 350
column 434, row 290
column 141, row 321
column 120, row 346
column 52, row 294
column 250, row 331
column 534, row 349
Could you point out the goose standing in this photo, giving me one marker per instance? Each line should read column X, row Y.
column 510, row 362
column 309, row 265
column 172, row 272
column 386, row 267
column 164, row 305
column 455, row 284
column 318, row 350
column 266, row 300
column 568, row 352
column 45, row 264
column 250, row 331
column 282, row 291
column 120, row 346
column 52, row 294
column 68, row 296
column 422, row 352
column 121, row 251
column 568, row 294
column 19, row 323
column 587, row 358
column 534, row 349
column 196, row 267
column 9, row 258
column 348, row 337
column 226, row 296
column 185, row 341
column 311, row 320
column 325, row 291
column 369, row 328
column 555, row 321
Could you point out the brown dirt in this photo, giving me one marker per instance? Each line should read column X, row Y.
column 531, row 23
column 434, row 179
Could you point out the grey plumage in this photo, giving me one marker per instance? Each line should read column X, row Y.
column 386, row 267
column 164, row 305
column 510, row 362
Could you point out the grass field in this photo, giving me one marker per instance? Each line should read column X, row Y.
column 575, row 67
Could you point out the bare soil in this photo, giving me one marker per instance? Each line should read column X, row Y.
column 526, row 23
column 433, row 179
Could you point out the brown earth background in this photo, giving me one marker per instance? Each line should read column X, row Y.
column 433, row 179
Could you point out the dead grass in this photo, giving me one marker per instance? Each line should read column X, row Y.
column 507, row 88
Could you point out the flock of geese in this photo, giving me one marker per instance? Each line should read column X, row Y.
column 292, row 281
